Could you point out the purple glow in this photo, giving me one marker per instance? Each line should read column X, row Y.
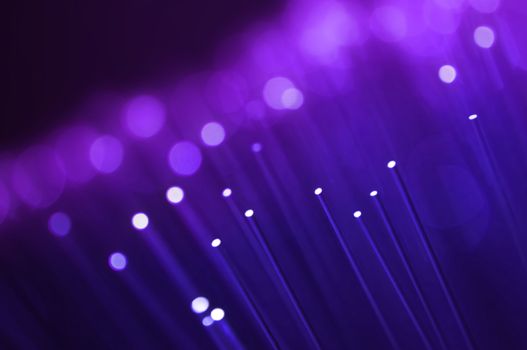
column 73, row 149
column 256, row 147
column 485, row 6
column 273, row 91
column 117, row 261
column 199, row 305
column 4, row 202
column 59, row 224
column 212, row 134
column 255, row 109
column 207, row 321
column 38, row 177
column 184, row 158
column 484, row 37
column 447, row 74
column 226, row 92
column 388, row 23
column 144, row 116
column 106, row 154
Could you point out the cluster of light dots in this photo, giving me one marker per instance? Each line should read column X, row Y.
column 140, row 221
column 175, row 194
column 117, row 261
column 447, row 74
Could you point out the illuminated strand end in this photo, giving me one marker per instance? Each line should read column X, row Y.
column 199, row 305
column 227, row 192
column 207, row 321
column 391, row 164
column 140, row 221
column 215, row 243
column 357, row 214
column 117, row 261
column 318, row 191
column 374, row 193
column 256, row 147
column 175, row 194
column 249, row 213
column 217, row 314
column 473, row 117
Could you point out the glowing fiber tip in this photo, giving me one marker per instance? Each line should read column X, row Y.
column 249, row 213
column 217, row 314
column 207, row 321
column 373, row 193
column 226, row 192
column 117, row 261
column 140, row 221
column 391, row 164
column 318, row 191
column 256, row 147
column 199, row 305
column 357, row 214
column 215, row 242
column 175, row 195
column 472, row 116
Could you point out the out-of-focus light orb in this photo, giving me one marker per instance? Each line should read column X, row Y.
column 175, row 194
column 484, row 37
column 106, row 154
column 318, row 191
column 38, row 177
column 217, row 314
column 450, row 4
column 472, row 117
column 73, row 149
column 140, row 221
column 373, row 193
column 391, row 164
column 184, row 158
column 447, row 74
column 144, row 116
column 226, row 192
column 388, row 23
column 212, row 134
column 440, row 19
column 59, row 224
column 207, row 321
column 485, row 6
column 357, row 214
column 292, row 98
column 256, row 147
column 273, row 91
column 117, row 261
column 199, row 305
column 249, row 213
column 215, row 242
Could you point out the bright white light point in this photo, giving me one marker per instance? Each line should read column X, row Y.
column 207, row 321
column 447, row 74
column 391, row 164
column 484, row 37
column 249, row 213
column 216, row 242
column 199, row 305
column 175, row 194
column 140, row 221
column 357, row 214
column 318, row 191
column 373, row 193
column 217, row 314
column 472, row 116
column 226, row 192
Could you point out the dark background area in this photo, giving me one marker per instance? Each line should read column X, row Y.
column 58, row 53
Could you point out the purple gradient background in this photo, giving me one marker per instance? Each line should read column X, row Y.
column 368, row 74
